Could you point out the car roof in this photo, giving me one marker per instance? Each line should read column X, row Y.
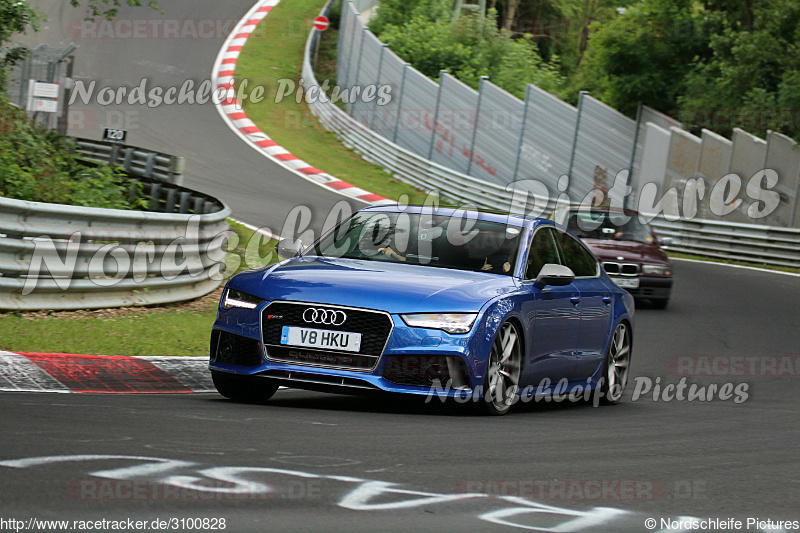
column 576, row 208
column 485, row 215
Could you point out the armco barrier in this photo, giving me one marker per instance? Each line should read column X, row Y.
column 168, row 168
column 68, row 257
column 726, row 240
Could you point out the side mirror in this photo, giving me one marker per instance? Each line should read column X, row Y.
column 556, row 275
column 289, row 248
column 666, row 241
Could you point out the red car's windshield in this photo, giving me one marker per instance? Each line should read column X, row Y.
column 605, row 227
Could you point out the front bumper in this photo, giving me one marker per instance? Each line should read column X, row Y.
column 656, row 288
column 415, row 361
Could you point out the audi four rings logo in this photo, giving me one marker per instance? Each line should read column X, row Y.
column 329, row 317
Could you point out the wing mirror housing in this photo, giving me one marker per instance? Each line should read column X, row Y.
column 556, row 275
column 288, row 248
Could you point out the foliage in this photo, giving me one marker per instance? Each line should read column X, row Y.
column 39, row 166
column 397, row 13
column 750, row 78
column 110, row 8
column 470, row 47
column 641, row 55
column 15, row 17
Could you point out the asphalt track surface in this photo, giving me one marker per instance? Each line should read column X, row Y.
column 309, row 461
column 654, row 458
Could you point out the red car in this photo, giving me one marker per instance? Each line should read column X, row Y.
column 629, row 250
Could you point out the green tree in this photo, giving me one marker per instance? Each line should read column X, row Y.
column 15, row 17
column 40, row 166
column 469, row 47
column 641, row 55
column 398, row 13
column 751, row 78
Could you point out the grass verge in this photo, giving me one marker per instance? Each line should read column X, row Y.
column 275, row 52
column 174, row 329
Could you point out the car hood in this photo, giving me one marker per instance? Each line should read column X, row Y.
column 392, row 287
column 607, row 250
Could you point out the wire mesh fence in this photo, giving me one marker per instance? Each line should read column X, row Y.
column 45, row 64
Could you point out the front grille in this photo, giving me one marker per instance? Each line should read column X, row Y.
column 234, row 350
column 374, row 327
column 425, row 370
column 625, row 269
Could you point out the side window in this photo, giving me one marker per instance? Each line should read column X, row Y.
column 576, row 257
column 543, row 250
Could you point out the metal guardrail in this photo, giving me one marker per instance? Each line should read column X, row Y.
column 136, row 161
column 726, row 240
column 64, row 257
column 745, row 242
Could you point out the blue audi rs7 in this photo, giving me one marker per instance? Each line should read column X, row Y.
column 450, row 303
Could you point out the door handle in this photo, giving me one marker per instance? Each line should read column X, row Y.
column 575, row 299
column 607, row 299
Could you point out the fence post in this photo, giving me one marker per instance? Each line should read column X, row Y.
column 793, row 222
column 522, row 130
column 352, row 18
column 177, row 165
column 475, row 125
column 400, row 101
column 23, row 84
column 436, row 114
column 384, row 46
column 575, row 137
column 629, row 199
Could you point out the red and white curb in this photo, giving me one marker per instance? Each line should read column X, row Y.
column 231, row 111
column 37, row 372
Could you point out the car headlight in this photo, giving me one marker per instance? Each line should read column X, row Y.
column 661, row 270
column 234, row 298
column 449, row 322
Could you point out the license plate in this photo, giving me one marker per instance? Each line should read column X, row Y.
column 321, row 338
column 627, row 283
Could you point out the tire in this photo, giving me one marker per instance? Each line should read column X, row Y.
column 616, row 367
column 501, row 384
column 253, row 390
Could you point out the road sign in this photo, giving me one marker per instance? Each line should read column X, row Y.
column 45, row 106
column 321, row 23
column 42, row 97
column 114, row 135
column 45, row 90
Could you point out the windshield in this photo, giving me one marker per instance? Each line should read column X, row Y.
column 602, row 226
column 461, row 243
